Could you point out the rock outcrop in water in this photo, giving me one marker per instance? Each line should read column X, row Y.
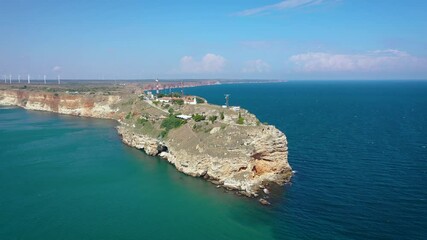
column 243, row 157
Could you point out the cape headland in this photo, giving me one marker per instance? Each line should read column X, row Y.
column 227, row 146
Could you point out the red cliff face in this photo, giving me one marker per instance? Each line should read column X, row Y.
column 80, row 105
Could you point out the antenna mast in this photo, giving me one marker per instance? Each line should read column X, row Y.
column 157, row 86
column 227, row 97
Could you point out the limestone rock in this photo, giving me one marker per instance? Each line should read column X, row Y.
column 241, row 158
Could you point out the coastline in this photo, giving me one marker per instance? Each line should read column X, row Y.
column 246, row 164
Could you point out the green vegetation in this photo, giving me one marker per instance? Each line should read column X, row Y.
column 148, row 128
column 178, row 101
column 129, row 115
column 200, row 100
column 170, row 110
column 163, row 133
column 221, row 115
column 169, row 123
column 198, row 117
column 240, row 120
column 141, row 121
column 174, row 94
column 213, row 118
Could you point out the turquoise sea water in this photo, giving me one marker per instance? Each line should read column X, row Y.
column 359, row 149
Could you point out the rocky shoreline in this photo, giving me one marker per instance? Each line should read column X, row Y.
column 244, row 158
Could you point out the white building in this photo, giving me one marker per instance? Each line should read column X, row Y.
column 182, row 116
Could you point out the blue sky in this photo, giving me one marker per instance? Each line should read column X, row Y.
column 258, row 39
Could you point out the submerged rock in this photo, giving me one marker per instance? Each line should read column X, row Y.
column 264, row 202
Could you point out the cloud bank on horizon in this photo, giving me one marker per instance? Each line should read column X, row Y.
column 273, row 39
column 375, row 61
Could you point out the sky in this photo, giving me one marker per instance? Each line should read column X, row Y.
column 214, row 39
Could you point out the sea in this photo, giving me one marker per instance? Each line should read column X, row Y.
column 358, row 149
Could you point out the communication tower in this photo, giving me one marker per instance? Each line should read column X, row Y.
column 227, row 97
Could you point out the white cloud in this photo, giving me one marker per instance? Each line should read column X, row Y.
column 208, row 64
column 280, row 6
column 256, row 66
column 379, row 60
column 56, row 69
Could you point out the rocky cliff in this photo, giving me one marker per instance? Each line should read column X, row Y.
column 78, row 105
column 244, row 157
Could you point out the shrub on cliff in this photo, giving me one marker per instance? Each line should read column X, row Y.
column 240, row 120
column 198, row 117
column 200, row 100
column 178, row 101
column 213, row 118
column 163, row 134
column 141, row 121
column 175, row 94
column 170, row 110
column 169, row 123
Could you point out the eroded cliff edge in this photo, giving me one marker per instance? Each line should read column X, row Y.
column 244, row 156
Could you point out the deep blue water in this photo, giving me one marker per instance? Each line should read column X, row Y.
column 359, row 149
